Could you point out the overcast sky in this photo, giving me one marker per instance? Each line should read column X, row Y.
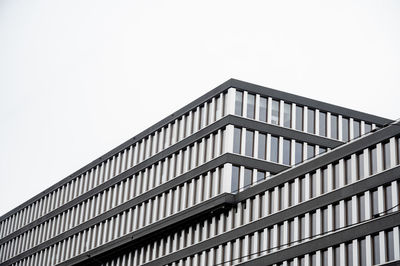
column 78, row 78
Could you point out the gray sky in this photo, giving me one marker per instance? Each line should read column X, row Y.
column 78, row 78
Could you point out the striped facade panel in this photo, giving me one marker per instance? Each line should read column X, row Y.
column 345, row 211
column 243, row 175
column 165, row 170
column 126, row 158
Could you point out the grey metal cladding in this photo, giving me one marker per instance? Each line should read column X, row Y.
column 259, row 164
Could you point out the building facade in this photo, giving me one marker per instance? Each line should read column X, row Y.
column 244, row 175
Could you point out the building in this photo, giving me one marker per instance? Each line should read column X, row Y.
column 244, row 175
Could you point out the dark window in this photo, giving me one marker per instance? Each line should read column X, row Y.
column 302, row 189
column 324, row 220
column 298, row 152
column 337, row 216
column 302, row 261
column 334, row 127
column 311, row 121
column 250, row 106
column 322, row 124
column 376, row 252
column 363, row 253
column 299, row 118
column 349, row 254
column 286, row 151
column 263, row 109
column 361, row 207
column 302, row 227
column 310, row 151
column 386, row 155
column 272, row 201
column 373, row 161
column 356, row 129
column 202, row 118
column 375, row 209
column 337, row 255
column 360, row 165
column 249, row 143
column 261, row 146
column 388, row 198
column 239, row 103
column 390, row 246
column 236, row 140
column 274, row 149
column 281, row 198
column 314, row 259
column 248, row 176
column 322, row 150
column 281, row 232
column 260, row 176
column 368, row 128
column 235, row 179
column 347, row 164
column 271, row 238
column 292, row 193
column 287, row 115
column 313, row 224
column 275, row 112
column 218, row 110
column 324, row 180
column 345, row 129
column 349, row 212
column 291, row 233
column 336, row 175
column 398, row 150
column 209, row 113
column 313, row 180
column 325, row 257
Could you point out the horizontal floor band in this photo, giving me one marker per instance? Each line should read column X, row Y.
column 294, row 211
column 392, row 263
column 284, row 132
column 348, row 234
column 219, row 161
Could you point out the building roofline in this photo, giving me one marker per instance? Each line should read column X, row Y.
column 235, row 83
column 293, row 98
